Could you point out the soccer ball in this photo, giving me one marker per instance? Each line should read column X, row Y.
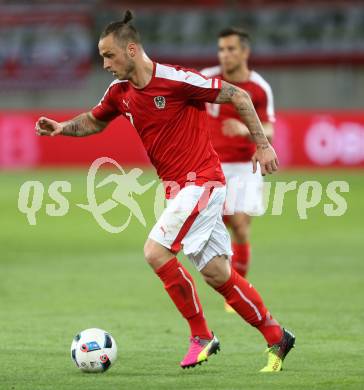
column 94, row 350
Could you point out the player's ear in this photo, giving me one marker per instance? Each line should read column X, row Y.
column 132, row 49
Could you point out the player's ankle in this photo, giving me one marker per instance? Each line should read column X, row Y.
column 199, row 327
column 271, row 330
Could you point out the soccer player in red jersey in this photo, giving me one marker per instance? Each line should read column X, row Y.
column 166, row 105
column 234, row 144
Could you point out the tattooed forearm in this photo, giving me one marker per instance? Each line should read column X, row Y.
column 226, row 93
column 83, row 125
column 241, row 100
column 268, row 130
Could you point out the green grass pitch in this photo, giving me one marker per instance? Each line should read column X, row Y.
column 66, row 274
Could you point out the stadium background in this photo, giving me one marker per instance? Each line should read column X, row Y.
column 65, row 274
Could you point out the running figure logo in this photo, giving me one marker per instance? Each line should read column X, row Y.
column 126, row 185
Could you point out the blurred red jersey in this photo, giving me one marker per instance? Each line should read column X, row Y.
column 169, row 115
column 238, row 149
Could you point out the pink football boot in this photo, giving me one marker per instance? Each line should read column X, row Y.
column 199, row 351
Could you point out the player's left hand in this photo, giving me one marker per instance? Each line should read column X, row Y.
column 267, row 158
column 232, row 127
column 46, row 126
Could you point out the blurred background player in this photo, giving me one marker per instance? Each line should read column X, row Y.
column 232, row 141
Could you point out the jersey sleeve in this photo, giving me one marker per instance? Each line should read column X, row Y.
column 195, row 86
column 264, row 105
column 106, row 110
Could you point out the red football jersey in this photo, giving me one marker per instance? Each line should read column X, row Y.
column 235, row 149
column 169, row 115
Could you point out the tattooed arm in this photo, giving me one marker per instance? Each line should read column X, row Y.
column 268, row 130
column 240, row 99
column 80, row 126
column 243, row 104
column 232, row 127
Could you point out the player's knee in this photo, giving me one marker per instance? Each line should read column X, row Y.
column 155, row 254
column 215, row 280
column 240, row 231
column 241, row 236
column 150, row 253
column 216, row 276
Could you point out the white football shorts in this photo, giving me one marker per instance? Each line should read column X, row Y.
column 245, row 189
column 192, row 221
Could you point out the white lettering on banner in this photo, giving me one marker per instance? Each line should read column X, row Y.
column 18, row 144
column 320, row 143
column 326, row 143
column 351, row 143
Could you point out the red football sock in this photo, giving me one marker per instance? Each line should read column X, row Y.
column 246, row 301
column 181, row 288
column 241, row 258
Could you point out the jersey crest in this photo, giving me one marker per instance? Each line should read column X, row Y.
column 160, row 102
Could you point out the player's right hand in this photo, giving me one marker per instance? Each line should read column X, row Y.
column 267, row 158
column 46, row 126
